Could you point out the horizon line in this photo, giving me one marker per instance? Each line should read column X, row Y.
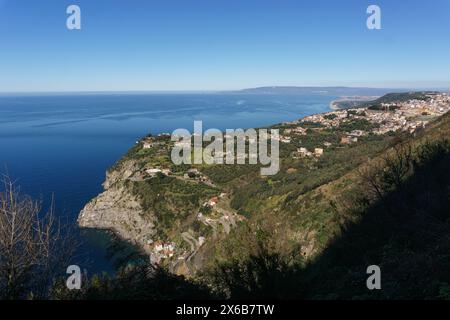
column 217, row 90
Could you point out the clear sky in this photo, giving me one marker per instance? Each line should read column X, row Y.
column 222, row 44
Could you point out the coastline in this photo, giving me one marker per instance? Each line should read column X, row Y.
column 334, row 105
column 353, row 101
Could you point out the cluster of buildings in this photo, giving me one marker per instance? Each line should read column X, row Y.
column 305, row 153
column 389, row 117
column 211, row 202
column 157, row 141
column 349, row 139
column 285, row 139
column 153, row 172
column 160, row 250
column 332, row 119
column 214, row 200
column 196, row 175
column 402, row 115
column 436, row 105
column 298, row 131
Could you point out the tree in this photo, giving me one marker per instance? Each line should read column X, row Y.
column 389, row 173
column 34, row 246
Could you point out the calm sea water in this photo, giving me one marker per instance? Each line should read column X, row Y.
column 62, row 145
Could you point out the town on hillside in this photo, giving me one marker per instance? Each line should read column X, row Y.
column 407, row 115
column 379, row 119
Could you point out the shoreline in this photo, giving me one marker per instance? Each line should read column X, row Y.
column 334, row 105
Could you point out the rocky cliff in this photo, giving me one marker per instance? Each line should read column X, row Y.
column 120, row 211
column 174, row 217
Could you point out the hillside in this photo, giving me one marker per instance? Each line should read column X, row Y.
column 377, row 103
column 204, row 217
column 391, row 212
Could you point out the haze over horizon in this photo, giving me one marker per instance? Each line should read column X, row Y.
column 331, row 90
column 221, row 45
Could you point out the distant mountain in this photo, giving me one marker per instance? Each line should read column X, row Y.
column 338, row 91
column 376, row 104
column 400, row 97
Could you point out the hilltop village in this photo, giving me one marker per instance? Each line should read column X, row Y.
column 181, row 212
column 377, row 119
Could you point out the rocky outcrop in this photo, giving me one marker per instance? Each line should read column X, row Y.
column 118, row 210
column 121, row 173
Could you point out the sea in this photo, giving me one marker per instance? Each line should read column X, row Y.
column 59, row 146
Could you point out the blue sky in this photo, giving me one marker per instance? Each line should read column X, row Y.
column 222, row 44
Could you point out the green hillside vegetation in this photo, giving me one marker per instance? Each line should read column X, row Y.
column 311, row 230
column 379, row 202
column 173, row 201
column 392, row 212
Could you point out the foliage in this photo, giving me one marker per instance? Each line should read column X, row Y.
column 131, row 283
column 34, row 246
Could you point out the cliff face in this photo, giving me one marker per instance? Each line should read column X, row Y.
column 118, row 210
column 175, row 218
